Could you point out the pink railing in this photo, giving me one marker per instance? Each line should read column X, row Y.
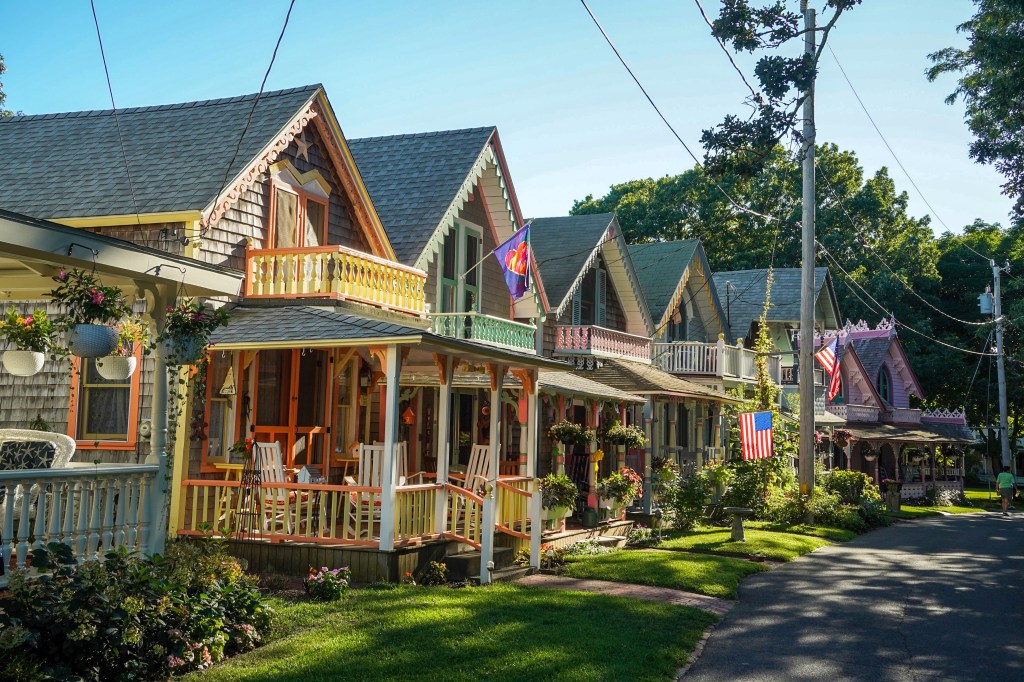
column 592, row 340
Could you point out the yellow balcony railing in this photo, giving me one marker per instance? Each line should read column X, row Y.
column 334, row 272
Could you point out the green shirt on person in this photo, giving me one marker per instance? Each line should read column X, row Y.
column 1005, row 480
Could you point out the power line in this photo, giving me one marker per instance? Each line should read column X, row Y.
column 117, row 122
column 252, row 111
column 665, row 120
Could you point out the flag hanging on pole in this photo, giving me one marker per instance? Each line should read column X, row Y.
column 756, row 435
column 828, row 356
column 514, row 258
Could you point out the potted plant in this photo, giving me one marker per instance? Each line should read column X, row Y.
column 90, row 311
column 240, row 451
column 558, row 496
column 841, row 437
column 31, row 336
column 187, row 329
column 620, row 489
column 121, row 364
column 625, row 438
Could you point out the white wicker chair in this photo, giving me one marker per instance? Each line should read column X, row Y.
column 64, row 450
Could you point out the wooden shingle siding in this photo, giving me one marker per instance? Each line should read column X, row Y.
column 494, row 296
column 163, row 236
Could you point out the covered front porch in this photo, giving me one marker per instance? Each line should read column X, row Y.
column 367, row 434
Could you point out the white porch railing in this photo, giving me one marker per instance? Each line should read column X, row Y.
column 92, row 510
column 487, row 329
column 854, row 413
column 911, row 491
column 903, row 415
column 334, row 272
column 712, row 359
column 593, row 340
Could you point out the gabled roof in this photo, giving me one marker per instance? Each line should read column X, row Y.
column 872, row 353
column 743, row 298
column 662, row 268
column 414, row 179
column 70, row 164
column 642, row 379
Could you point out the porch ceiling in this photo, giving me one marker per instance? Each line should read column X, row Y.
column 32, row 251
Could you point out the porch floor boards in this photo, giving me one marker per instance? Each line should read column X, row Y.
column 718, row 607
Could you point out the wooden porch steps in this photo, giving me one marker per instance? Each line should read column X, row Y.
column 612, row 529
column 466, row 565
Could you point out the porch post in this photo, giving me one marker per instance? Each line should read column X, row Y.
column 532, row 415
column 648, row 451
column 443, row 449
column 159, row 501
column 699, row 438
column 388, row 496
column 497, row 373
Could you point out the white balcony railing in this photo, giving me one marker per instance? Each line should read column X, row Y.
column 92, row 509
column 493, row 331
column 599, row 341
column 903, row 415
column 712, row 359
column 854, row 413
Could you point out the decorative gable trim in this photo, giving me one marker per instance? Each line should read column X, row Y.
column 301, row 179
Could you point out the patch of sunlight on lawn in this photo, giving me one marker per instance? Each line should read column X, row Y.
column 774, row 545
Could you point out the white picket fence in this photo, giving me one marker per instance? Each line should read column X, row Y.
column 91, row 509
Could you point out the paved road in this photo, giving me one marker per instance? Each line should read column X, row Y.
column 936, row 599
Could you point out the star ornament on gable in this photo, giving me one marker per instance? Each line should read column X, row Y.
column 303, row 145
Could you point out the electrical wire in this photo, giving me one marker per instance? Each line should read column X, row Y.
column 117, row 121
column 248, row 120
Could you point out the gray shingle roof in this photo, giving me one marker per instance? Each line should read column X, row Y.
column 562, row 246
column 303, row 323
column 412, row 180
column 70, row 164
column 746, row 296
column 659, row 267
column 574, row 384
column 872, row 354
column 636, row 377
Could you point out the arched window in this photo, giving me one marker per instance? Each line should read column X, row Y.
column 884, row 383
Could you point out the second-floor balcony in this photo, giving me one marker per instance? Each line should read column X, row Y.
column 696, row 358
column 334, row 272
column 493, row 331
column 601, row 342
column 902, row 415
column 855, row 413
column 791, row 376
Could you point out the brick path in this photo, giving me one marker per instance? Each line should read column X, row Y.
column 714, row 605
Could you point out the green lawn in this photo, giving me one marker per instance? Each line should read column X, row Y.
column 773, row 545
column 717, row 576
column 503, row 631
column 831, row 534
column 983, row 497
column 913, row 512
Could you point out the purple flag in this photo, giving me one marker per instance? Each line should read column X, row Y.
column 514, row 258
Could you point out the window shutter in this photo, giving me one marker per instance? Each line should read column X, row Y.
column 577, row 308
column 601, row 294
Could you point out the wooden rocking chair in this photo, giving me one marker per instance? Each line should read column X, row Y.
column 478, row 471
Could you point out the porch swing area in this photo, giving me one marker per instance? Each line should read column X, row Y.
column 380, row 457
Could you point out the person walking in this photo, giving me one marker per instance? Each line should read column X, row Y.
column 1007, row 486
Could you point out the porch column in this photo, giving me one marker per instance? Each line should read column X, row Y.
column 536, row 512
column 559, row 463
column 698, row 420
column 648, row 451
column 497, row 373
column 446, row 367
column 591, row 419
column 388, row 478
column 163, row 491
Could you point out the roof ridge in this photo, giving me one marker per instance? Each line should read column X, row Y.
column 427, row 133
column 160, row 107
column 575, row 215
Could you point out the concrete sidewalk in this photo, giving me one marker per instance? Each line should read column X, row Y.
column 935, row 599
column 719, row 607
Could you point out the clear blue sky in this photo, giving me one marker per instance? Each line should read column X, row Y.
column 571, row 121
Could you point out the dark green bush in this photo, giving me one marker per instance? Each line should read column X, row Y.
column 851, row 486
column 436, row 573
column 128, row 618
column 686, row 497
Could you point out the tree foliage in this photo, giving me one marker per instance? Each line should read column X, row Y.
column 991, row 71
column 3, row 96
column 742, row 145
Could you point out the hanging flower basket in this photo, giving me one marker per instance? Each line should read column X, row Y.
column 23, row 363
column 187, row 329
column 92, row 340
column 182, row 350
column 116, row 367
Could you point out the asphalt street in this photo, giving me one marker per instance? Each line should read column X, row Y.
column 934, row 599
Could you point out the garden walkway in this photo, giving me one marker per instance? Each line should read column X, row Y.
column 714, row 605
column 935, row 599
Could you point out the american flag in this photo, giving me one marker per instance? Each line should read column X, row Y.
column 828, row 358
column 756, row 434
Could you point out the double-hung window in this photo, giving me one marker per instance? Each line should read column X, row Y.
column 299, row 217
column 460, row 251
column 104, row 412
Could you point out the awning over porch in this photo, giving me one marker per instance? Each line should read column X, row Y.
column 641, row 379
column 926, row 434
column 569, row 383
column 269, row 327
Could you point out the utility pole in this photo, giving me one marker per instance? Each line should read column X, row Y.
column 807, row 274
column 1004, row 424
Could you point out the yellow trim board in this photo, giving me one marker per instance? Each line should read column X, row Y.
column 301, row 178
column 318, row 343
column 130, row 219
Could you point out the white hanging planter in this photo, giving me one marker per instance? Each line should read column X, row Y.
column 116, row 367
column 92, row 340
column 182, row 350
column 23, row 363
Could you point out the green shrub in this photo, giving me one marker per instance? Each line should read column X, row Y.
column 588, row 547
column 558, row 490
column 853, row 487
column 128, row 618
column 641, row 536
column 686, row 498
column 327, row 584
column 436, row 573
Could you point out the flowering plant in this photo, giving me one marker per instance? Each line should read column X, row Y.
column 242, row 448
column 841, row 437
column 27, row 332
column 83, row 300
column 192, row 319
column 129, row 333
column 567, row 432
column 631, row 436
column 327, row 584
column 623, row 486
column 558, row 490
